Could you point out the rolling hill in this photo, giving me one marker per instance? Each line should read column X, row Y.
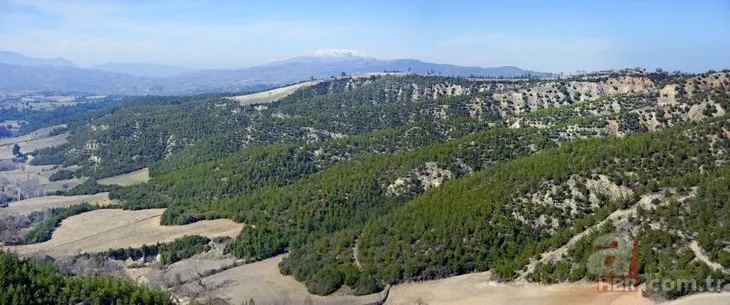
column 142, row 69
column 371, row 181
column 13, row 58
column 24, row 74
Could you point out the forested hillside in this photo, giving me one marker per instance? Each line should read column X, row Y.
column 142, row 134
column 26, row 281
column 373, row 181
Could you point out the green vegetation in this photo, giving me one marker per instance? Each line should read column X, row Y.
column 53, row 218
column 36, row 119
column 171, row 252
column 149, row 129
column 63, row 174
column 29, row 282
column 664, row 253
column 89, row 187
column 315, row 200
column 424, row 185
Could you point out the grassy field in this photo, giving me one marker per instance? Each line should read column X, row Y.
column 29, row 145
column 27, row 206
column 101, row 230
column 271, row 95
column 38, row 134
column 35, row 140
column 135, row 177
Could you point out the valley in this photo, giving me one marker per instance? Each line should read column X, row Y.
column 383, row 189
column 364, row 153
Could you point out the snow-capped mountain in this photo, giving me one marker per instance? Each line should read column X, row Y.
column 325, row 56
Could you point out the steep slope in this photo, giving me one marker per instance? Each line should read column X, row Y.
column 427, row 177
column 331, row 109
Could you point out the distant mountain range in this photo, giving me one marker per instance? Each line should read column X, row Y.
column 140, row 69
column 19, row 73
column 22, row 60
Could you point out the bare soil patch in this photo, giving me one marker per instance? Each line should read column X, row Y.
column 478, row 289
column 263, row 282
column 704, row 299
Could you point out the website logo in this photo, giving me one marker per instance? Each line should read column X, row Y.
column 615, row 263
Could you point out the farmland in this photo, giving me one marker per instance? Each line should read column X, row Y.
column 27, row 206
column 105, row 229
column 135, row 177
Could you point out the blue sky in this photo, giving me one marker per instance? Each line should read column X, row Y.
column 555, row 36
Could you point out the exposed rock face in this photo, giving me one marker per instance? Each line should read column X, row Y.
column 554, row 94
column 565, row 200
column 430, row 175
column 433, row 176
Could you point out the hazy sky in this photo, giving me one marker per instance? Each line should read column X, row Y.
column 555, row 36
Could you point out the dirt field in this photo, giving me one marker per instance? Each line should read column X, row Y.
column 101, row 230
column 32, row 181
column 477, row 289
column 271, row 95
column 135, row 177
column 12, row 124
column 263, row 282
column 704, row 299
column 29, row 145
column 38, row 134
column 27, row 206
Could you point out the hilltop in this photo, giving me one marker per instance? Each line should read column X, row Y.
column 20, row 73
column 371, row 181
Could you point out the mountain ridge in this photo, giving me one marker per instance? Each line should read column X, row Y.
column 13, row 58
column 26, row 74
column 141, row 69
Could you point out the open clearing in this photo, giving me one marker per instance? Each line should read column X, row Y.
column 38, row 134
column 32, row 181
column 35, row 140
column 101, row 230
column 135, row 177
column 27, row 206
column 477, row 289
column 271, row 95
column 263, row 282
column 26, row 146
column 704, row 299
